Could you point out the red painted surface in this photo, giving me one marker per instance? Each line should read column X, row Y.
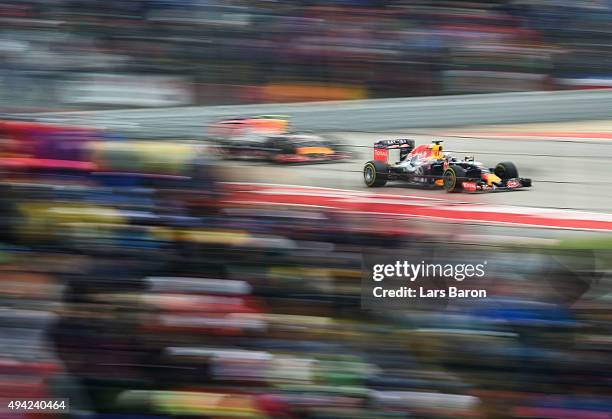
column 469, row 186
column 439, row 209
column 381, row 154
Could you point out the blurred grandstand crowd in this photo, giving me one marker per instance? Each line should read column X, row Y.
column 133, row 282
column 138, row 284
column 64, row 53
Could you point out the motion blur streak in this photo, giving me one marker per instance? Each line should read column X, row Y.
column 89, row 53
column 143, row 277
column 136, row 283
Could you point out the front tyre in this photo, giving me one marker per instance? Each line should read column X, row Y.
column 453, row 178
column 506, row 170
column 375, row 174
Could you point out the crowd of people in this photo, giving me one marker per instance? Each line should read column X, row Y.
column 228, row 52
column 138, row 285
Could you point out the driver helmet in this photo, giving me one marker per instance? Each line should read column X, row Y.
column 404, row 151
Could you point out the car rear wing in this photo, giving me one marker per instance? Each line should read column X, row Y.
column 382, row 147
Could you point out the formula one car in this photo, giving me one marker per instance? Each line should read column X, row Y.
column 428, row 165
column 286, row 148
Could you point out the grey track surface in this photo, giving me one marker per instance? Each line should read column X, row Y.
column 370, row 115
column 566, row 174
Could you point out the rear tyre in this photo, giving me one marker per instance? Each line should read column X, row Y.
column 375, row 174
column 506, row 170
column 453, row 177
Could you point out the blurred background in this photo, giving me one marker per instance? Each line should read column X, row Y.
column 143, row 276
column 70, row 53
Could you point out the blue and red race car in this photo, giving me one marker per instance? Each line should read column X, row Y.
column 269, row 138
column 429, row 165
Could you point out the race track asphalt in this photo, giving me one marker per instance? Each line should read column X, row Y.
column 568, row 173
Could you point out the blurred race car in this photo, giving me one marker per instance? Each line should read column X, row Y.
column 261, row 124
column 428, row 165
column 286, row 148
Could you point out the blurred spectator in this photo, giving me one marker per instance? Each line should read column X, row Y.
column 106, row 54
column 139, row 285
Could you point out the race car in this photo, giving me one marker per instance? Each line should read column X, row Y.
column 261, row 124
column 286, row 148
column 429, row 165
